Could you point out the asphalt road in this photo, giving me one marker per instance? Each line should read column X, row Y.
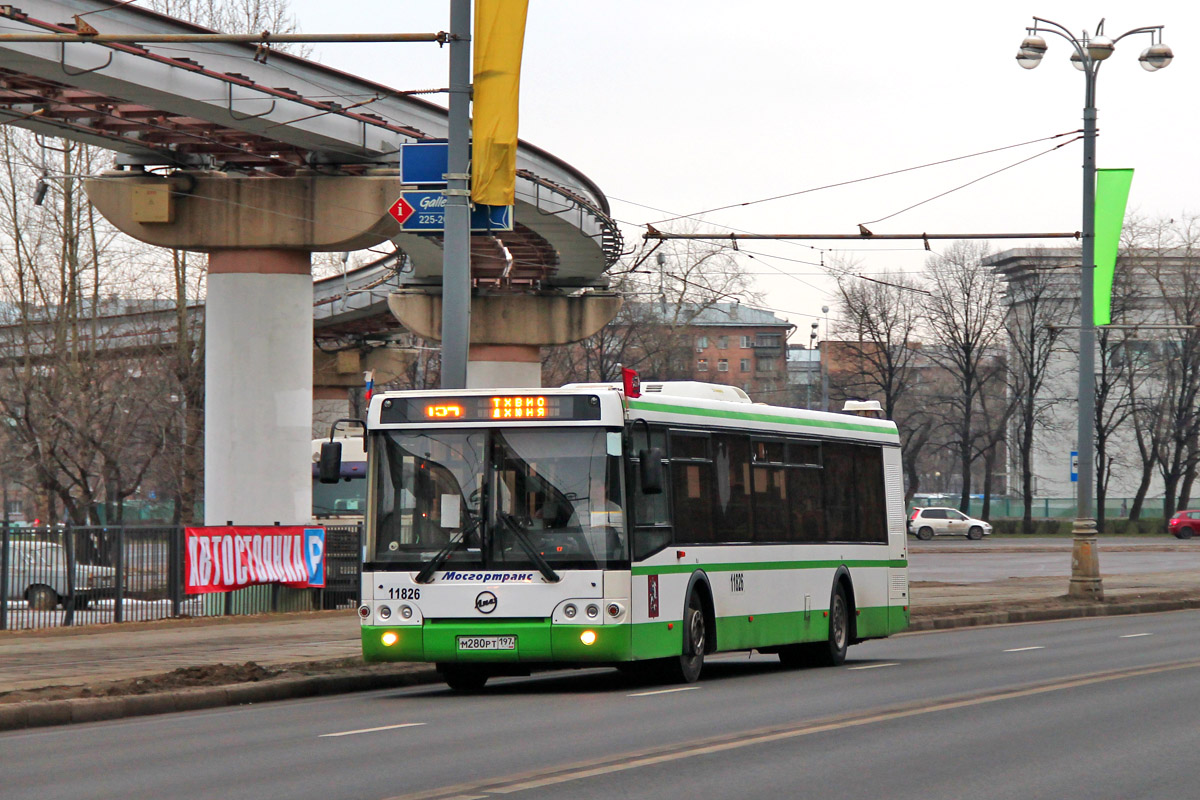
column 1096, row 708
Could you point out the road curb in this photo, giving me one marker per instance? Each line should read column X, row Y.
column 1155, row 606
column 43, row 713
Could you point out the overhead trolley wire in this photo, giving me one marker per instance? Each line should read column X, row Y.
column 868, row 178
column 970, row 183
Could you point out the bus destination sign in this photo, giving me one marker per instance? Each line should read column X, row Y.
column 490, row 408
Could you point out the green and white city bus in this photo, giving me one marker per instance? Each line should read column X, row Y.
column 514, row 529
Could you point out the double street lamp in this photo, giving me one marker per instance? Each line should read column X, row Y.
column 1088, row 53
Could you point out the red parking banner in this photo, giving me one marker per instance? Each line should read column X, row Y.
column 222, row 559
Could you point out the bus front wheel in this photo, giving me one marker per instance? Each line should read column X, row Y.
column 686, row 667
column 462, row 679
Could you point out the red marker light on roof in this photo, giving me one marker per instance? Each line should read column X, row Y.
column 631, row 383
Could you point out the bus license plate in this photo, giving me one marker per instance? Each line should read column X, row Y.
column 487, row 643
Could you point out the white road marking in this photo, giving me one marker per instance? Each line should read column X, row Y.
column 1135, row 635
column 664, row 691
column 877, row 666
column 372, row 730
column 1024, row 649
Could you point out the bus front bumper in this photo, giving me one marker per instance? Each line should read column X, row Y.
column 535, row 641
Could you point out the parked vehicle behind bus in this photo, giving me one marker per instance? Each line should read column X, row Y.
column 343, row 501
column 37, row 573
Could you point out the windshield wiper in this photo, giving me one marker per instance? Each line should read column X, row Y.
column 522, row 538
column 426, row 574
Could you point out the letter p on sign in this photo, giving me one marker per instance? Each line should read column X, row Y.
column 314, row 555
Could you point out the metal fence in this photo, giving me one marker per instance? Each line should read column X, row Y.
column 1043, row 507
column 64, row 576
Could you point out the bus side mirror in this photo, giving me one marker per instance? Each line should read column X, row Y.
column 652, row 471
column 329, row 468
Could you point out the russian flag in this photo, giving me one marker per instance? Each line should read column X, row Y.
column 369, row 377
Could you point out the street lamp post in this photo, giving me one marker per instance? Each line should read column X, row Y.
column 825, row 363
column 1089, row 52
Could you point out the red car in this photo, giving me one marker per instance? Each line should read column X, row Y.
column 1184, row 524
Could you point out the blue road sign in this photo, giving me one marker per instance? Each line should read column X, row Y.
column 1074, row 466
column 424, row 162
column 314, row 555
column 428, row 214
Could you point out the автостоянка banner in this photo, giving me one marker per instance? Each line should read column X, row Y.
column 222, row 559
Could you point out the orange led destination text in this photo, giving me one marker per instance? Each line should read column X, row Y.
column 518, row 407
column 444, row 410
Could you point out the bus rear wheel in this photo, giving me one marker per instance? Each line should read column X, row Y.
column 462, row 679
column 830, row 653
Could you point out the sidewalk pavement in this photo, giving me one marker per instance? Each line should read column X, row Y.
column 61, row 675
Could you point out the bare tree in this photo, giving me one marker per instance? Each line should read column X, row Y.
column 77, row 408
column 232, row 16
column 879, row 326
column 1033, row 327
column 665, row 289
column 1163, row 257
column 966, row 323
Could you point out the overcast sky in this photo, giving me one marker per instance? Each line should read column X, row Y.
column 687, row 106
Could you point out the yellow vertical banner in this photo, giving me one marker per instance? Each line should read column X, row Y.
column 499, row 40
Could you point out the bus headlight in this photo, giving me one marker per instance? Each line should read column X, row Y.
column 588, row 637
column 569, row 611
column 614, row 610
column 385, row 612
column 364, row 611
column 389, row 638
column 593, row 611
column 406, row 612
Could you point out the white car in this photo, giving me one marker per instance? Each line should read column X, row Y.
column 37, row 573
column 925, row 523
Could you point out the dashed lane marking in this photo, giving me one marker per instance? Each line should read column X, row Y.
column 664, row 691
column 371, row 730
column 876, row 666
column 1135, row 635
column 1024, row 649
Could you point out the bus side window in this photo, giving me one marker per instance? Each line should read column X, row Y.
column 840, row 491
column 868, row 477
column 731, row 500
column 805, row 502
column 691, row 487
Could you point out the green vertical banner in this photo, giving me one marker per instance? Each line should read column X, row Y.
column 1112, row 193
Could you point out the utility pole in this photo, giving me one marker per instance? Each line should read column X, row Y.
column 456, row 266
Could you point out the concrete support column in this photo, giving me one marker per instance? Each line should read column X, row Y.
column 258, row 388
column 508, row 331
column 491, row 366
column 258, row 232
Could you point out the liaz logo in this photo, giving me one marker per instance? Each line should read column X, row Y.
column 485, row 602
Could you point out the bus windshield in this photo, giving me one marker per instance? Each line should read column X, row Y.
column 495, row 498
